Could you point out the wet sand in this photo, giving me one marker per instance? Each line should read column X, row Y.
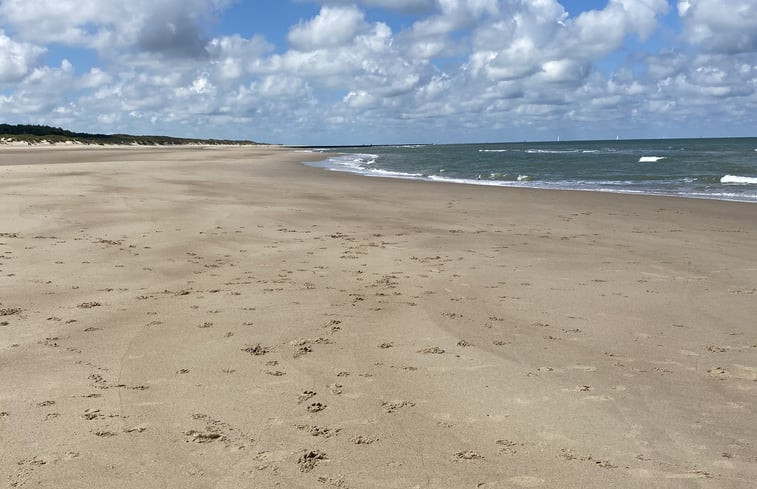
column 227, row 317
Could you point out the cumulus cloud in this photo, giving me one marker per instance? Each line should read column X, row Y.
column 730, row 28
column 41, row 91
column 364, row 60
column 16, row 59
column 333, row 26
column 540, row 39
column 94, row 78
column 153, row 26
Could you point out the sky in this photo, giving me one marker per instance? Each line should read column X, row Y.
column 382, row 71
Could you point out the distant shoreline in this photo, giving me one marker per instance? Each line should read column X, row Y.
column 137, row 141
column 79, row 144
column 37, row 134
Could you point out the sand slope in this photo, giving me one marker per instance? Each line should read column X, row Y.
column 225, row 317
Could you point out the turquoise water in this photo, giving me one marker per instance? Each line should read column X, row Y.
column 723, row 169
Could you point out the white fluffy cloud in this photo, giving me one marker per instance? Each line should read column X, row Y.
column 459, row 69
column 170, row 25
column 333, row 26
column 41, row 91
column 540, row 40
column 719, row 27
column 16, row 58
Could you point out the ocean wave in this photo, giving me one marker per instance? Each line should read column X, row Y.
column 607, row 186
column 735, row 179
column 470, row 181
column 362, row 164
column 651, row 159
column 704, row 179
column 551, row 151
column 388, row 173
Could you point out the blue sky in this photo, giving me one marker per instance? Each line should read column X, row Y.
column 382, row 71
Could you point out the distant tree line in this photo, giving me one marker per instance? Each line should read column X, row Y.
column 32, row 133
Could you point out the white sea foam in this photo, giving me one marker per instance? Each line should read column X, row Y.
column 356, row 161
column 523, row 178
column 471, row 181
column 551, row 151
column 362, row 164
column 493, row 150
column 651, row 159
column 739, row 180
column 388, row 173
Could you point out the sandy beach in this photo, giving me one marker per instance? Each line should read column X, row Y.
column 227, row 317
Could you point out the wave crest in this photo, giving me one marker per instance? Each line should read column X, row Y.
column 736, row 179
column 651, row 159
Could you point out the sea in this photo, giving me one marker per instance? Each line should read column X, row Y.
column 721, row 169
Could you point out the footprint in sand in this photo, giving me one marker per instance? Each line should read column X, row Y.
column 103, row 433
column 200, row 437
column 10, row 311
column 308, row 460
column 256, row 350
column 318, row 430
column 302, row 350
column 363, row 440
column 316, row 407
column 468, row 455
column 305, row 396
column 92, row 414
column 392, row 406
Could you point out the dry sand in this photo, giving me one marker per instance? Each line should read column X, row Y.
column 228, row 318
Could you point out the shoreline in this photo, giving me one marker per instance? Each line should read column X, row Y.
column 525, row 187
column 534, row 191
column 421, row 164
column 326, row 155
column 233, row 317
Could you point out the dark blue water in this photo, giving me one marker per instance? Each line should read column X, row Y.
column 724, row 169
